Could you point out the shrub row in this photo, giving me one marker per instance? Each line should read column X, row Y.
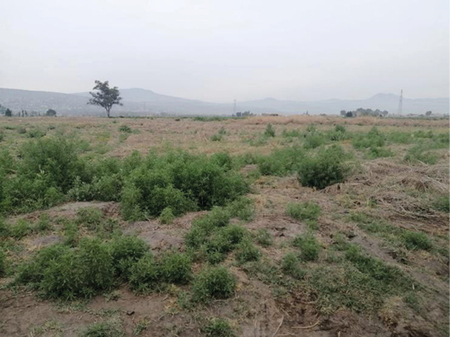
column 51, row 170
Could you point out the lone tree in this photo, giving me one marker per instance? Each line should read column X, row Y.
column 105, row 96
column 8, row 113
column 50, row 113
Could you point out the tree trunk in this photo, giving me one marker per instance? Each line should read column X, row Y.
column 107, row 113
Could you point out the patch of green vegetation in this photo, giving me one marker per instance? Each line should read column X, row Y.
column 144, row 274
column 213, row 283
column 36, row 133
column 379, row 152
column 2, row 263
column 263, row 237
column 175, row 268
column 91, row 217
column 20, row 229
column 309, row 246
column 125, row 251
column 374, row 138
column 166, row 216
column 416, row 241
column 103, row 329
column 304, row 211
column 290, row 265
column 420, row 154
column 270, row 131
column 140, row 327
column 442, row 204
column 43, row 224
column 323, row 169
column 247, row 252
column 281, row 161
column 218, row 327
column 125, row 129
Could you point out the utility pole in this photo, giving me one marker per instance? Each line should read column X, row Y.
column 400, row 103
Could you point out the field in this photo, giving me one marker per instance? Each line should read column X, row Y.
column 262, row 226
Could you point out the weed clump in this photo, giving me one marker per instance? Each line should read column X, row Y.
column 125, row 129
column 281, row 161
column 309, row 246
column 144, row 273
column 91, row 217
column 323, row 169
column 166, row 216
column 175, row 268
column 213, row 283
column 247, row 252
column 218, row 327
column 103, row 329
column 290, row 265
column 416, row 241
column 270, row 131
column 126, row 251
column 304, row 211
column 263, row 237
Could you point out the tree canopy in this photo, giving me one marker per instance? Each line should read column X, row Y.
column 105, row 96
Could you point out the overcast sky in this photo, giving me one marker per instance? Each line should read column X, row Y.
column 221, row 50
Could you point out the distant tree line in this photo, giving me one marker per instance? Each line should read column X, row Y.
column 24, row 113
column 364, row 112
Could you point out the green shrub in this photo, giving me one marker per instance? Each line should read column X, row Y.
column 389, row 276
column 313, row 140
column 36, row 133
column 373, row 138
column 263, row 237
column 379, row 152
column 21, row 229
column 2, row 263
column 218, row 327
column 281, row 161
column 125, row 251
column 417, row 240
column 2, row 136
column 303, row 211
column 125, row 129
column 43, row 223
column 216, row 137
column 103, row 329
column 166, row 216
column 290, row 265
column 21, row 131
column 241, row 208
column 223, row 241
column 91, row 217
column 442, row 204
column 420, row 153
column 323, row 169
column 144, row 273
column 175, row 268
column 309, row 246
column 247, row 252
column 270, row 131
column 71, row 233
column 214, row 282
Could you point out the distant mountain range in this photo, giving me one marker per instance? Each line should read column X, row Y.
column 146, row 102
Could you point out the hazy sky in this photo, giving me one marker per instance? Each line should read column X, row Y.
column 221, row 50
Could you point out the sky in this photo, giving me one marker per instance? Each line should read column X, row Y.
column 223, row 50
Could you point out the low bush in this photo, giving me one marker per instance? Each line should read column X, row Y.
column 263, row 237
column 91, row 217
column 144, row 273
column 125, row 251
column 309, row 246
column 20, row 229
column 247, row 252
column 281, row 161
column 373, row 138
column 303, row 211
column 175, row 268
column 416, row 241
column 218, row 327
column 379, row 152
column 166, row 216
column 2, row 263
column 125, row 129
column 270, row 131
column 442, row 204
column 420, row 154
column 43, row 223
column 290, row 265
column 323, row 169
column 36, row 133
column 213, row 283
